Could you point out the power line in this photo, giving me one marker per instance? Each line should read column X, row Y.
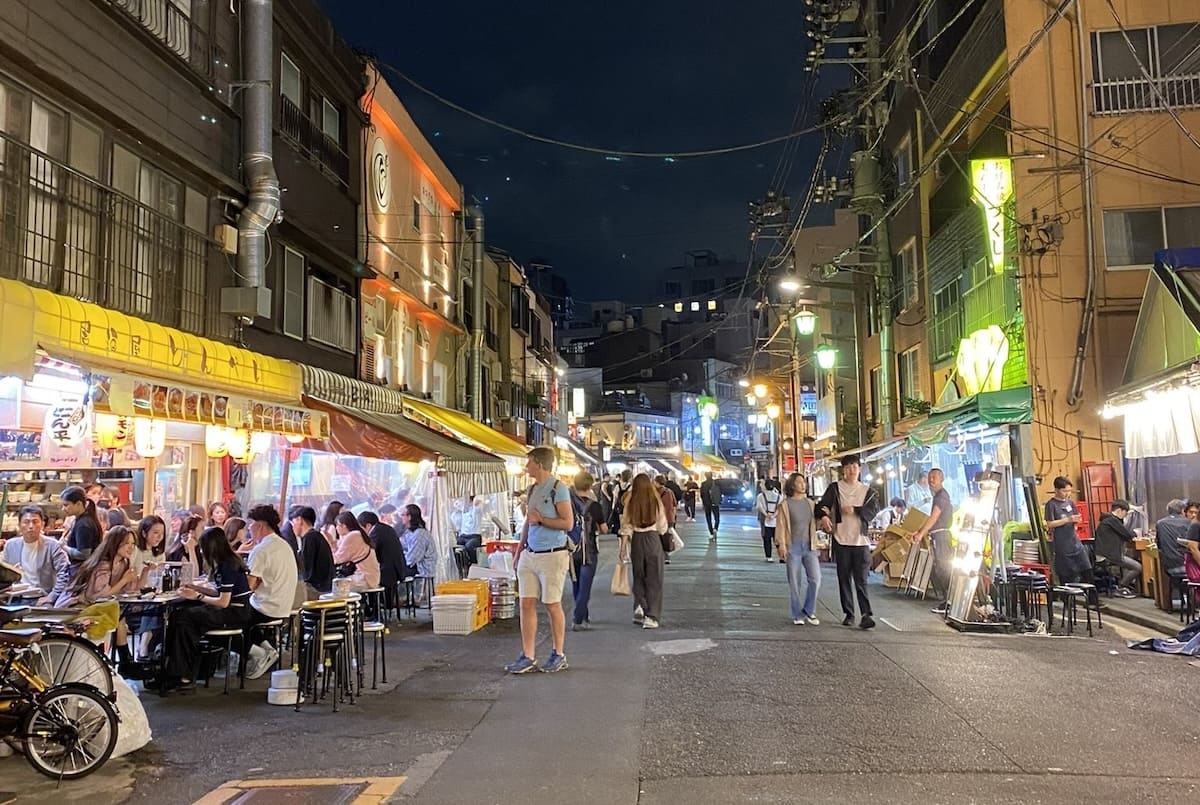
column 591, row 149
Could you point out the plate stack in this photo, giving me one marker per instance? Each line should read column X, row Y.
column 285, row 688
column 504, row 598
column 1025, row 552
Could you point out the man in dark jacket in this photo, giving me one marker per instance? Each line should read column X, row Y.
column 845, row 511
column 1111, row 538
column 710, row 496
column 392, row 565
column 315, row 556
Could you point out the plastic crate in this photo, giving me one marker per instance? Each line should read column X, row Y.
column 473, row 587
column 454, row 614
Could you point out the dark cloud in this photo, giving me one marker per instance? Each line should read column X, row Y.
column 658, row 76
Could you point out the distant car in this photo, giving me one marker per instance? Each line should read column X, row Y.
column 736, row 494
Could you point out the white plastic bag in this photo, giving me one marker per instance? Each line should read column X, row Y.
column 134, row 730
column 676, row 541
column 501, row 560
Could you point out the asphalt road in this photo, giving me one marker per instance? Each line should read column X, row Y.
column 728, row 702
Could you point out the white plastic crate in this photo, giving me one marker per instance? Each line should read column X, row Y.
column 453, row 614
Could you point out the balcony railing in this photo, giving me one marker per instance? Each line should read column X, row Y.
column 995, row 300
column 1118, row 96
column 66, row 232
column 175, row 28
column 308, row 137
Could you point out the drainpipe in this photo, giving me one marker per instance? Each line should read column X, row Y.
column 476, row 353
column 251, row 297
column 1075, row 394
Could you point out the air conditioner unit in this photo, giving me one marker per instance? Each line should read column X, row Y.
column 513, row 426
column 503, row 409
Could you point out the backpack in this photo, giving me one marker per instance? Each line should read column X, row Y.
column 575, row 534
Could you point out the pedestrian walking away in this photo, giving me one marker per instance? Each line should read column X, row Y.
column 794, row 537
column 690, row 490
column 642, row 526
column 670, row 505
column 587, row 559
column 937, row 528
column 710, row 497
column 845, row 511
column 767, row 506
column 543, row 560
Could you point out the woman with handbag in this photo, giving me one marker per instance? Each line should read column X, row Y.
column 643, row 522
column 794, row 533
column 354, row 557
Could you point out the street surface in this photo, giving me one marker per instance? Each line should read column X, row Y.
column 728, row 702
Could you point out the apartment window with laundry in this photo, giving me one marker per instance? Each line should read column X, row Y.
column 1132, row 236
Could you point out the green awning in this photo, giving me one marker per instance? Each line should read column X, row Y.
column 1005, row 407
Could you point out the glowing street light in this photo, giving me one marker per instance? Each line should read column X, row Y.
column 789, row 284
column 751, row 399
column 806, row 322
column 744, row 382
column 773, row 411
column 826, row 356
column 760, row 390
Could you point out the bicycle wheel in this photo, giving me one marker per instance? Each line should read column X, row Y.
column 64, row 658
column 70, row 732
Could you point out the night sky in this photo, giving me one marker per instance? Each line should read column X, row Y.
column 641, row 76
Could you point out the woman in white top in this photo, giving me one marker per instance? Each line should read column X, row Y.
column 643, row 521
column 767, row 506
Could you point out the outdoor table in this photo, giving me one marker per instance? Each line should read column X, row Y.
column 160, row 604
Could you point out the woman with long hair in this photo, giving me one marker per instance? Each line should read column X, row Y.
column 235, row 532
column 217, row 514
column 107, row 572
column 86, row 528
column 329, row 522
column 419, row 550
column 184, row 546
column 354, row 547
column 794, row 535
column 225, row 599
column 643, row 522
column 151, row 534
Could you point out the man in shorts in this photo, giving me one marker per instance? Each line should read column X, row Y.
column 543, row 558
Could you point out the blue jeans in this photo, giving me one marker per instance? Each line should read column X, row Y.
column 803, row 563
column 582, row 587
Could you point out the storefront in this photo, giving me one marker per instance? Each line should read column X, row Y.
column 574, row 458
column 1159, row 398
column 90, row 394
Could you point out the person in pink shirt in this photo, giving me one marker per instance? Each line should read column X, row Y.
column 353, row 547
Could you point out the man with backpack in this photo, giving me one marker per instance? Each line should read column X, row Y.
column 620, row 488
column 767, row 506
column 589, row 521
column 710, row 496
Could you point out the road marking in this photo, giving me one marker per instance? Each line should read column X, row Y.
column 662, row 647
column 377, row 790
column 889, row 623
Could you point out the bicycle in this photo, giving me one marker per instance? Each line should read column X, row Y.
column 64, row 654
column 66, row 731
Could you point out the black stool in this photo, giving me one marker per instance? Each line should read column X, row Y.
column 229, row 635
column 1091, row 601
column 1068, row 596
column 376, row 630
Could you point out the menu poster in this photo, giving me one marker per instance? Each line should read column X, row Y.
column 20, row 448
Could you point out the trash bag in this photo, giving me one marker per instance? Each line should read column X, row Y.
column 133, row 732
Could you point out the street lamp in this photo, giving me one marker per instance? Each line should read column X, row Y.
column 806, row 322
column 760, row 390
column 744, row 382
column 826, row 356
column 773, row 411
column 789, row 284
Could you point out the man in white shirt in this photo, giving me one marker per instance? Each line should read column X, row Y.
column 919, row 495
column 469, row 524
column 767, row 506
column 273, row 580
column 845, row 511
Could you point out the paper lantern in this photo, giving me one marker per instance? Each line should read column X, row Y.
column 113, row 432
column 149, row 437
column 68, row 423
column 216, row 441
column 295, row 438
column 773, row 411
column 238, row 443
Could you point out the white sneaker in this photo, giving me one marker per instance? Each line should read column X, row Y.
column 259, row 661
column 638, row 614
column 769, row 560
column 797, row 621
column 650, row 623
column 812, row 621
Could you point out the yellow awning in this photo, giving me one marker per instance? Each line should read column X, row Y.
column 465, row 428
column 96, row 337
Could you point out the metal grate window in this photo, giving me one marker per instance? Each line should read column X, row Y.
column 183, row 34
column 1157, row 68
column 332, row 316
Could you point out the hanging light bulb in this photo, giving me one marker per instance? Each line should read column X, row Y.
column 216, row 441
column 773, row 411
column 149, row 437
column 295, row 438
column 113, row 432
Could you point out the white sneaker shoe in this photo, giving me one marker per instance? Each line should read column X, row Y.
column 812, row 621
column 797, row 621
column 769, row 560
column 649, row 623
column 259, row 661
column 638, row 615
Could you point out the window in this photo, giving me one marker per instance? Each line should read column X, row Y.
column 416, row 215
column 468, row 315
column 293, row 292
column 672, row 289
column 331, row 121
column 909, row 379
column 873, row 380
column 902, row 157
column 332, row 315
column 1131, row 237
column 945, row 328
column 703, row 286
column 906, row 289
column 1160, row 71
column 291, row 83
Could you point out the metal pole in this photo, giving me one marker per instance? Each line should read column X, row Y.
column 794, row 381
column 883, row 253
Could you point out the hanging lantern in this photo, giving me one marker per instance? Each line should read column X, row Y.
column 260, row 441
column 295, row 438
column 113, row 432
column 68, row 423
column 216, row 441
column 238, row 442
column 149, row 437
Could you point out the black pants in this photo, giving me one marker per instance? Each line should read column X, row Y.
column 712, row 513
column 853, row 562
column 471, row 543
column 768, row 535
column 188, row 625
column 689, row 506
column 646, row 563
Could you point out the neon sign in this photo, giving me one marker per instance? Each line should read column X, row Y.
column 992, row 187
